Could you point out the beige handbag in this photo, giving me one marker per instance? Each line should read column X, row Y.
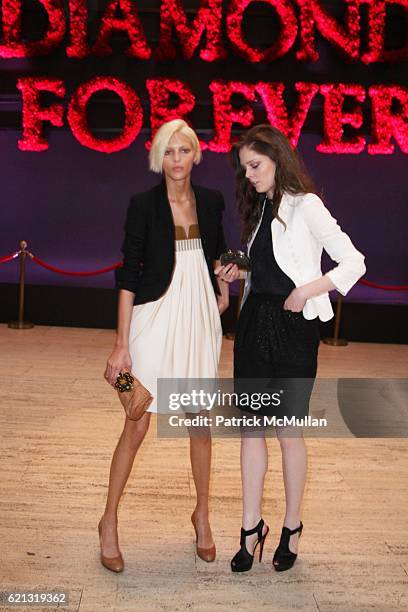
column 134, row 397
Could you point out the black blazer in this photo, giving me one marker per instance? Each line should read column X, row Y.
column 148, row 247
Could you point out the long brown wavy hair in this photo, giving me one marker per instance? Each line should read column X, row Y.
column 290, row 175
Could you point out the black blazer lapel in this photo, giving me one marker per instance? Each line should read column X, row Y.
column 202, row 211
column 164, row 213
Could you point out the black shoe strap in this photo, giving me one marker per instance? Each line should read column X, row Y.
column 257, row 529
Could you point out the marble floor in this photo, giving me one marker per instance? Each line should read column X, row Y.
column 60, row 423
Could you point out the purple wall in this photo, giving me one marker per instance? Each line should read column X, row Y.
column 69, row 204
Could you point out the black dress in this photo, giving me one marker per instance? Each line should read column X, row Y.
column 276, row 345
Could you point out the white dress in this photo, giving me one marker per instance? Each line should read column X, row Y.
column 179, row 335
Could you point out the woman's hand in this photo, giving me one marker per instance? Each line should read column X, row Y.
column 222, row 304
column 228, row 273
column 118, row 361
column 295, row 300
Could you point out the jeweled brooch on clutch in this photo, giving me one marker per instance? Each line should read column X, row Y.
column 124, row 382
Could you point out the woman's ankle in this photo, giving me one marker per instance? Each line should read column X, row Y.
column 292, row 521
column 249, row 521
column 201, row 515
column 110, row 517
column 202, row 508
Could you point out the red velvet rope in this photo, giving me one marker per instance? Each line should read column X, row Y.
column 70, row 273
column 385, row 287
column 42, row 263
column 117, row 265
column 9, row 257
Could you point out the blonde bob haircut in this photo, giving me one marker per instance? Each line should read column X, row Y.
column 161, row 141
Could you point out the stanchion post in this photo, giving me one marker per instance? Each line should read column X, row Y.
column 336, row 341
column 21, row 324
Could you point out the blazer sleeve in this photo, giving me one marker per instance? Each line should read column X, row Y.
column 126, row 277
column 220, row 247
column 324, row 227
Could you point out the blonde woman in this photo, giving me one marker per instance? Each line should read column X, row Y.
column 169, row 309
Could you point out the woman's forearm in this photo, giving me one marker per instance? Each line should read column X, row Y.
column 125, row 308
column 317, row 287
column 223, row 286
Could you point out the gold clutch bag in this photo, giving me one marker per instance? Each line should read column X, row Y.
column 134, row 397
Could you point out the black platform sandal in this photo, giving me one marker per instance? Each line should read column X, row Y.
column 284, row 558
column 243, row 560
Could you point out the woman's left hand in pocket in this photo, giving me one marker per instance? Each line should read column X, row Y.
column 295, row 300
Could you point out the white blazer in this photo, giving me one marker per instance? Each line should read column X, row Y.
column 309, row 228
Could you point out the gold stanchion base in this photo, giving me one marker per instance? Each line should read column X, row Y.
column 230, row 336
column 20, row 325
column 334, row 342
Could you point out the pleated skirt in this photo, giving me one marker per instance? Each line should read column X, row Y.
column 179, row 335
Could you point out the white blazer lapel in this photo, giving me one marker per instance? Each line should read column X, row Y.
column 277, row 228
column 281, row 239
column 247, row 285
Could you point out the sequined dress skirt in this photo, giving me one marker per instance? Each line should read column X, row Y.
column 179, row 335
column 280, row 347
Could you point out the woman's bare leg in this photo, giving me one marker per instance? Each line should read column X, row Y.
column 122, row 461
column 200, row 456
column 294, row 467
column 254, row 465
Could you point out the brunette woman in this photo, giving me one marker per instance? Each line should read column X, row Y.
column 286, row 226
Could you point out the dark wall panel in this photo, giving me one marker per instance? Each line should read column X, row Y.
column 69, row 203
